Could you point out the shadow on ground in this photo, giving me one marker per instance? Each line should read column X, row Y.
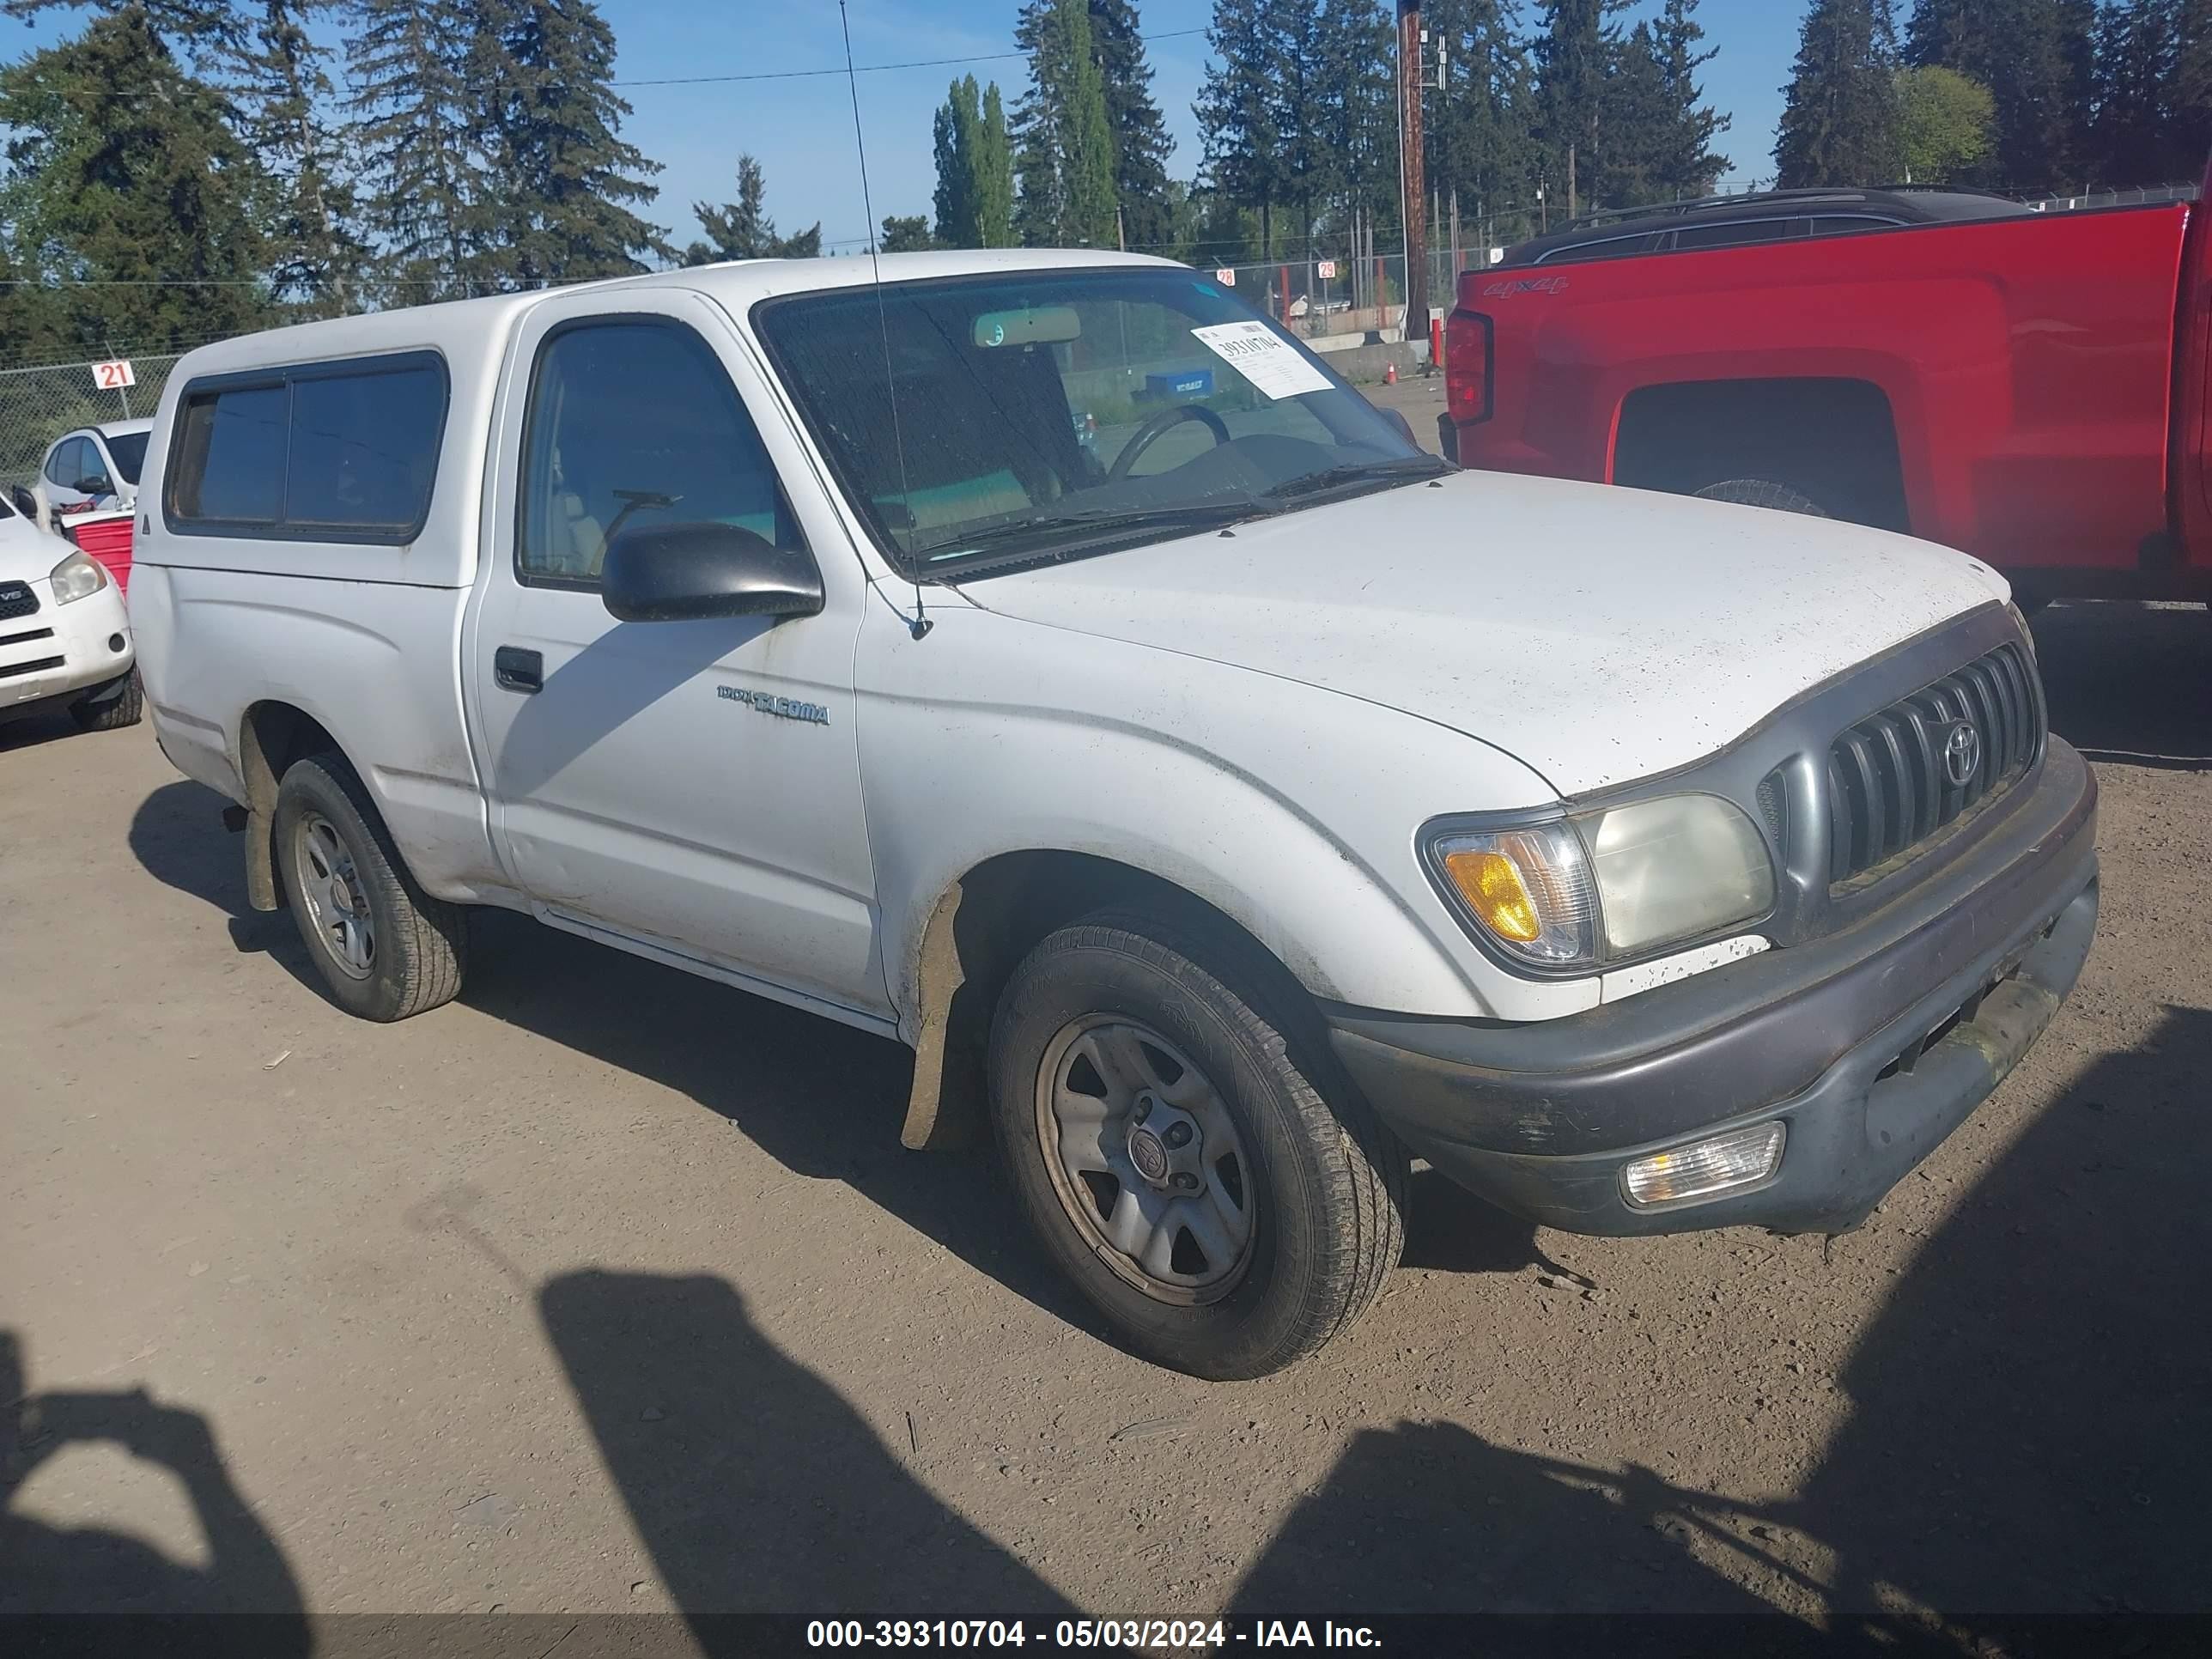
column 2026, row 1436
column 2130, row 683
column 47, row 1569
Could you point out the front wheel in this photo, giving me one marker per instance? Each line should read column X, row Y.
column 112, row 707
column 1186, row 1147
column 386, row 948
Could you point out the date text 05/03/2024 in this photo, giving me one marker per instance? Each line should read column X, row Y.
column 1193, row 1634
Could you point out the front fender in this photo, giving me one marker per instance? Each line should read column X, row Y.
column 1290, row 809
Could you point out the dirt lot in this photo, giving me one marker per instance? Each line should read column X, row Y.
column 605, row 1289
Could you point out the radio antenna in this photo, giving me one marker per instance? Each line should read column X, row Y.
column 919, row 623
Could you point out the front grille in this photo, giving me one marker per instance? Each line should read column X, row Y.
column 16, row 599
column 9, row 670
column 26, row 637
column 1890, row 786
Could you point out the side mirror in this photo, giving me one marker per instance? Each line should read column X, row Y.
column 93, row 486
column 694, row 572
column 1397, row 418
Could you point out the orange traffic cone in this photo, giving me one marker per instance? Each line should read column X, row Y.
column 1390, row 375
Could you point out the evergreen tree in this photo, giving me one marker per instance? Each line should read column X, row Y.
column 2023, row 51
column 1240, row 116
column 1481, row 130
column 1064, row 143
column 209, row 33
column 905, row 234
column 2137, row 57
column 317, row 260
column 742, row 229
column 125, row 179
column 567, row 177
column 1354, row 106
column 1632, row 168
column 994, row 175
column 1576, row 52
column 1839, row 127
column 2189, row 96
column 1141, row 143
column 416, row 125
column 1685, row 162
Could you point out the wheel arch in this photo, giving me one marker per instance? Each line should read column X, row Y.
column 272, row 736
column 980, row 927
column 1832, row 438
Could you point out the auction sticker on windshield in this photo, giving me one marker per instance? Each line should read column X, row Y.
column 1262, row 356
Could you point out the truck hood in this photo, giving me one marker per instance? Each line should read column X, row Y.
column 1598, row 634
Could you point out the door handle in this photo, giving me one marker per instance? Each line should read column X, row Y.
column 518, row 670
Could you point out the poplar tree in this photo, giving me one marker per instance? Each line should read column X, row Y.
column 957, row 131
column 974, row 198
column 1839, row 126
column 1064, row 144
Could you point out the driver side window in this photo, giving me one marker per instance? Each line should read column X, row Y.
column 66, row 465
column 633, row 421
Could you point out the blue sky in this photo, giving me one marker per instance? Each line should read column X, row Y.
column 801, row 128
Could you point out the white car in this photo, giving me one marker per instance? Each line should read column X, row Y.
column 64, row 641
column 93, row 466
column 1222, row 816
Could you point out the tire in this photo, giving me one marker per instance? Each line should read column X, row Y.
column 1279, row 1140
column 111, row 713
column 1763, row 492
column 338, row 863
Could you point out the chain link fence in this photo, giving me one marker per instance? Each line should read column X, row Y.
column 39, row 403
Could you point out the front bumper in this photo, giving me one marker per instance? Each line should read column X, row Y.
column 53, row 654
column 1832, row 1037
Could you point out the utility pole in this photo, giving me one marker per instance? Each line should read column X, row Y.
column 1573, row 207
column 1412, row 187
column 1120, row 232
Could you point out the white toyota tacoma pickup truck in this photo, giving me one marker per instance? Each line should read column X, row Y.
column 1043, row 660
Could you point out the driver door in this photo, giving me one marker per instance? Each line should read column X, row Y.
column 690, row 786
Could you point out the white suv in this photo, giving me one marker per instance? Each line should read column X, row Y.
column 64, row 640
column 1225, row 807
column 91, row 468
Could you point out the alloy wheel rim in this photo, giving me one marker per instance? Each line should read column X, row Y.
column 1146, row 1159
column 330, row 886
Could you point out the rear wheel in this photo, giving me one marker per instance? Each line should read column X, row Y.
column 386, row 948
column 113, row 706
column 1763, row 492
column 1186, row 1148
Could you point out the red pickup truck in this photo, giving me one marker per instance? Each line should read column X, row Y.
column 2029, row 387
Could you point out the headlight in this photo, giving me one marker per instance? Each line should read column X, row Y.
column 77, row 576
column 1611, row 883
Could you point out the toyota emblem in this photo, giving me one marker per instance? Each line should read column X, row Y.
column 1962, row 755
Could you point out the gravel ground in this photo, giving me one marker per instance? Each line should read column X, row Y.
column 606, row 1289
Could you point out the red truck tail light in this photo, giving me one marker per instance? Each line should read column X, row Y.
column 1467, row 367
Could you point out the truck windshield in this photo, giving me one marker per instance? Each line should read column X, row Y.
column 988, row 422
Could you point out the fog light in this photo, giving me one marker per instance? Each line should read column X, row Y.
column 1707, row 1169
column 115, row 642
